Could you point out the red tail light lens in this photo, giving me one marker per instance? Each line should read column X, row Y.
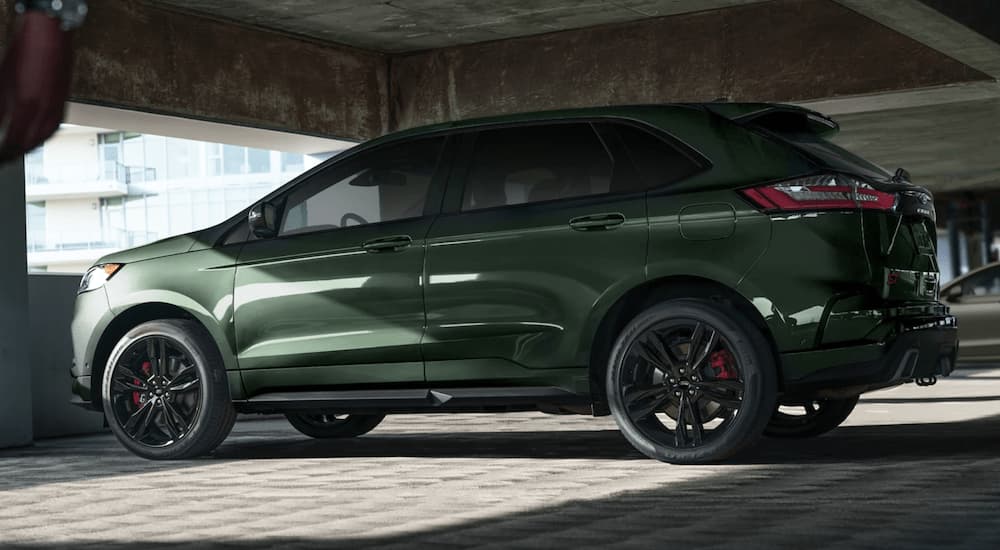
column 819, row 193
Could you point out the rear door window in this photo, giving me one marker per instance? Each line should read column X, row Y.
column 530, row 164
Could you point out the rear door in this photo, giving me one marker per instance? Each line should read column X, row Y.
column 977, row 308
column 541, row 226
column 335, row 298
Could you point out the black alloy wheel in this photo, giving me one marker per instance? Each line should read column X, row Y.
column 691, row 381
column 329, row 425
column 165, row 391
column 809, row 418
column 156, row 391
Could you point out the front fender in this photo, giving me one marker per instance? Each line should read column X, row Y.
column 205, row 292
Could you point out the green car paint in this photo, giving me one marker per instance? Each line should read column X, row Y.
column 514, row 296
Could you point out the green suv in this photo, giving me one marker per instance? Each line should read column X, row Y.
column 705, row 273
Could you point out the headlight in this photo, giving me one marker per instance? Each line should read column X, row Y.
column 97, row 275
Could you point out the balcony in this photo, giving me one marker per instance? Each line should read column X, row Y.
column 82, row 181
column 59, row 250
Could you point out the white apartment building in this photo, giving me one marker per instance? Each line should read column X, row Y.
column 91, row 191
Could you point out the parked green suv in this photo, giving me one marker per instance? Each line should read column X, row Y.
column 704, row 273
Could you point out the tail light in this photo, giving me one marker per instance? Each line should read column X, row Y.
column 827, row 192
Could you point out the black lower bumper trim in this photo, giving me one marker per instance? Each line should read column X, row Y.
column 921, row 351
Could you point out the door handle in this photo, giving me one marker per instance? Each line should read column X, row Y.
column 387, row 244
column 597, row 221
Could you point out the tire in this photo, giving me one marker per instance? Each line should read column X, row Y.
column 729, row 377
column 329, row 426
column 167, row 410
column 820, row 416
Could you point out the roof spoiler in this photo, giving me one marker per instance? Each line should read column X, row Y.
column 777, row 118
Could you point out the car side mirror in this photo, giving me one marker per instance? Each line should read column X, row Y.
column 263, row 218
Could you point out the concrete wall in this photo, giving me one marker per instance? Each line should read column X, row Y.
column 51, row 298
column 138, row 56
column 787, row 50
column 72, row 221
column 15, row 376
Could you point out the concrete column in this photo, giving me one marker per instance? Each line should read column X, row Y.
column 986, row 228
column 953, row 240
column 15, row 373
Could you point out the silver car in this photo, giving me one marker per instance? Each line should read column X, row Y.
column 974, row 299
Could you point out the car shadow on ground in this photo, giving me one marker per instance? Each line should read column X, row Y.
column 923, row 486
column 82, row 458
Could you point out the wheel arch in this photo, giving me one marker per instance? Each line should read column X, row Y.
column 126, row 321
column 653, row 291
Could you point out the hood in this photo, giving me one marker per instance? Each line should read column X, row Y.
column 164, row 247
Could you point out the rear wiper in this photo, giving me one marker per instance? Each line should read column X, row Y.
column 892, row 242
column 901, row 177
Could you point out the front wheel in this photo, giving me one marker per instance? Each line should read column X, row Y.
column 691, row 381
column 809, row 418
column 327, row 426
column 165, row 391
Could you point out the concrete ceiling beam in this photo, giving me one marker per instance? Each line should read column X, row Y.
column 934, row 29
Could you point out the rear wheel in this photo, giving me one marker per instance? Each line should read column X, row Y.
column 809, row 418
column 326, row 426
column 691, row 381
column 165, row 391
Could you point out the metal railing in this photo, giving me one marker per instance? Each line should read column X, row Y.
column 66, row 241
column 69, row 172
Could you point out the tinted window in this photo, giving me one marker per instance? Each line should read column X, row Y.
column 389, row 183
column 537, row 163
column 984, row 283
column 657, row 161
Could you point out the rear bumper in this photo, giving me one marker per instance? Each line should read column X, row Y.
column 922, row 350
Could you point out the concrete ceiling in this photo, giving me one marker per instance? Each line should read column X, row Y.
column 408, row 25
column 946, row 148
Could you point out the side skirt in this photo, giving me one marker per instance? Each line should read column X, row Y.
column 396, row 401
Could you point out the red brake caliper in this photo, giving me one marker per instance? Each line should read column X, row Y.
column 136, row 397
column 722, row 363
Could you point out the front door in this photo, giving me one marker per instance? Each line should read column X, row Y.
column 335, row 298
column 544, row 230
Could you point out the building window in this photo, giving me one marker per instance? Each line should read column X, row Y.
column 293, row 162
column 34, row 167
column 244, row 160
column 116, row 151
column 35, row 213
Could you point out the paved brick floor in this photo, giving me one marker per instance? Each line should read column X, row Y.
column 914, row 467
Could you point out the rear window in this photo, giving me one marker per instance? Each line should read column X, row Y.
column 804, row 131
column 834, row 156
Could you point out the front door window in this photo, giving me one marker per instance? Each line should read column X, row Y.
column 382, row 185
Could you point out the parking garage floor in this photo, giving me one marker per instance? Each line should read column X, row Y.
column 913, row 467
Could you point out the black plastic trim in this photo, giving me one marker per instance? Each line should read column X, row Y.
column 928, row 347
column 412, row 400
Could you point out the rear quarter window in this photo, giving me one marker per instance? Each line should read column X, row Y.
column 657, row 161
